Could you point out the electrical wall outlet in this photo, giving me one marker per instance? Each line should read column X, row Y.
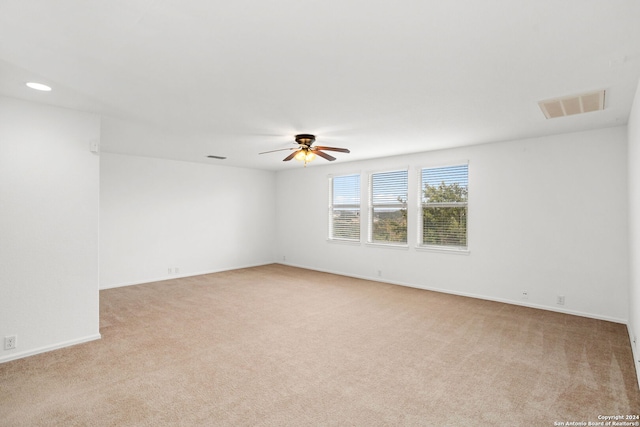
column 176, row 270
column 560, row 300
column 94, row 146
column 10, row 342
column 525, row 295
column 379, row 273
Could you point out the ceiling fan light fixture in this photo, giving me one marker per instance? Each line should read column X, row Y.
column 301, row 156
column 305, row 155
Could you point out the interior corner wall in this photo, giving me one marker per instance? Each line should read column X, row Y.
column 634, row 228
column 163, row 219
column 546, row 215
column 49, row 216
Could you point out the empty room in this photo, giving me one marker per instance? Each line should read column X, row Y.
column 301, row 213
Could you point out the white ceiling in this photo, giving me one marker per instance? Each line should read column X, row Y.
column 183, row 79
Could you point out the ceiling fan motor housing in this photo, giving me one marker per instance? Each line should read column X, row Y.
column 305, row 139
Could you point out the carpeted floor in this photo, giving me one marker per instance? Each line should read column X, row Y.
column 281, row 346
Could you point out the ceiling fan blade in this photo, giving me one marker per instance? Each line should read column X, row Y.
column 325, row 155
column 342, row 150
column 291, row 156
column 273, row 151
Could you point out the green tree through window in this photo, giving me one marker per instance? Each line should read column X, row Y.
column 388, row 214
column 444, row 206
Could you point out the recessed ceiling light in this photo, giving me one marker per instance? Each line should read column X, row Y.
column 39, row 86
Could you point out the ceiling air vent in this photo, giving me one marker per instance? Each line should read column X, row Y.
column 575, row 104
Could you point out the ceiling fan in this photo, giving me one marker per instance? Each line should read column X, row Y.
column 305, row 152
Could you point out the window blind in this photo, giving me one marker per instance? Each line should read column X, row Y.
column 388, row 216
column 444, row 194
column 344, row 209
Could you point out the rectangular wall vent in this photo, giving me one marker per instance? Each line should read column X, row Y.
column 575, row 104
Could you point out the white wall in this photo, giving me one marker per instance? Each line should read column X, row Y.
column 634, row 228
column 546, row 215
column 159, row 214
column 48, row 227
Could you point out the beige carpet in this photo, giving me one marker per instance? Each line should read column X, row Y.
column 280, row 346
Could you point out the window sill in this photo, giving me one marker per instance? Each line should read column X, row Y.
column 443, row 250
column 344, row 242
column 404, row 247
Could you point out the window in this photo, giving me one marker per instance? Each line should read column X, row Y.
column 344, row 208
column 388, row 207
column 444, row 193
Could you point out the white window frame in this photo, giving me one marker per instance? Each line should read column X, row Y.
column 340, row 206
column 394, row 205
column 422, row 205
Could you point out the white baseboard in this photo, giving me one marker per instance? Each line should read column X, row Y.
column 179, row 276
column 57, row 346
column 470, row 295
column 634, row 350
